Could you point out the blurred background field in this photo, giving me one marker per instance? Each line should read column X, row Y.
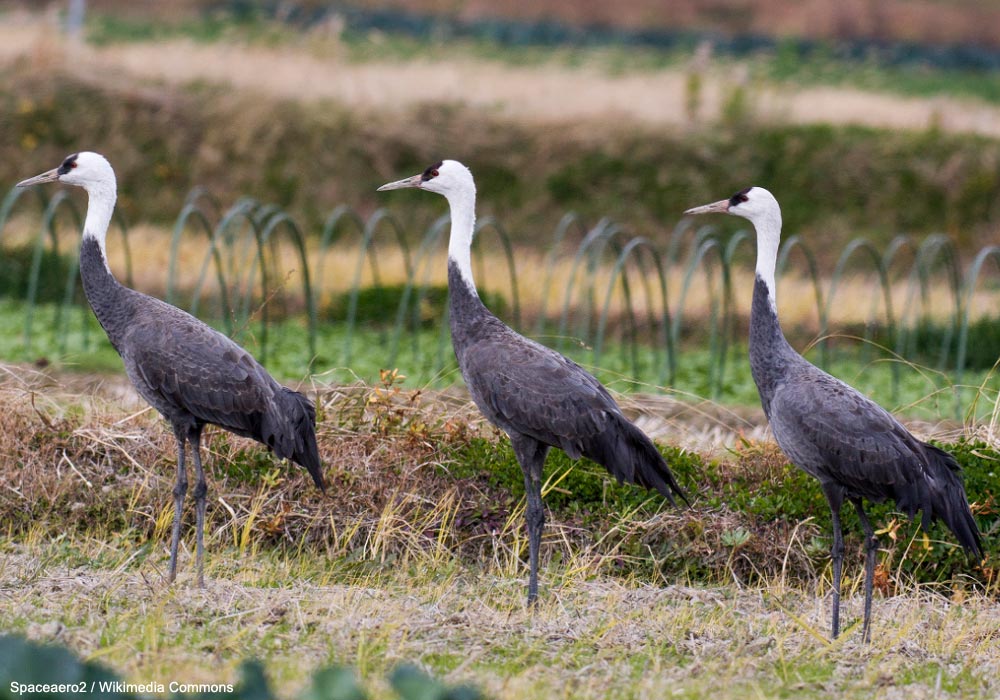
column 249, row 136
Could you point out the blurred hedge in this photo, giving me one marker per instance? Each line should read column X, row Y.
column 833, row 182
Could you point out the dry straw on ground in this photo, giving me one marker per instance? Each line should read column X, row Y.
column 389, row 569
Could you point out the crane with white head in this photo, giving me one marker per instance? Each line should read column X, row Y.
column 189, row 372
column 540, row 398
column 854, row 447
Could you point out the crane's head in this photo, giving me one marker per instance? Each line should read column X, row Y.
column 447, row 177
column 754, row 203
column 84, row 169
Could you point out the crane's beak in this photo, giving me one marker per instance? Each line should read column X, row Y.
column 415, row 181
column 720, row 207
column 49, row 176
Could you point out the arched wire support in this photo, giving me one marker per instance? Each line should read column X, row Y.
column 683, row 227
column 699, row 258
column 568, row 220
column 586, row 328
column 243, row 249
column 263, row 212
column 968, row 290
column 729, row 315
column 15, row 195
column 862, row 244
column 428, row 244
column 371, row 227
column 333, row 230
column 232, row 262
column 488, row 222
column 12, row 197
column 283, row 220
column 668, row 367
column 787, row 246
column 589, row 249
column 252, row 251
column 192, row 212
column 899, row 244
column 934, row 252
column 199, row 194
column 60, row 200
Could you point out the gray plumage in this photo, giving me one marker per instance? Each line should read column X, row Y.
column 192, row 374
column 855, row 448
column 536, row 394
column 538, row 397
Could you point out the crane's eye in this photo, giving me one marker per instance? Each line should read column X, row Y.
column 739, row 197
column 432, row 171
column 68, row 164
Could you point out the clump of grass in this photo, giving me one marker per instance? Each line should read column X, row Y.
column 419, row 550
column 416, row 477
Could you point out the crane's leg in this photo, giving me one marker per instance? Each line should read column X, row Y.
column 180, row 489
column 835, row 497
column 531, row 455
column 871, row 548
column 200, row 490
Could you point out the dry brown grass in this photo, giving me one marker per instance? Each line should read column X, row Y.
column 405, row 561
column 589, row 639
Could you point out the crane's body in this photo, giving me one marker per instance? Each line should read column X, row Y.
column 851, row 445
column 189, row 372
column 540, row 398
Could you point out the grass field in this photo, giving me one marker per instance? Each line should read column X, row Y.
column 417, row 553
column 426, row 360
column 416, row 556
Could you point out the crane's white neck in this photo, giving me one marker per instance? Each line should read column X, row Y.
column 768, row 227
column 463, row 223
column 100, row 207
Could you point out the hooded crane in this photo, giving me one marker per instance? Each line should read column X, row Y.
column 854, row 447
column 190, row 373
column 535, row 395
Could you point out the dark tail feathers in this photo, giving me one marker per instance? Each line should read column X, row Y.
column 289, row 428
column 630, row 456
column 947, row 500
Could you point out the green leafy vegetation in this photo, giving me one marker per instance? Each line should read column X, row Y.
column 759, row 485
column 27, row 664
column 72, row 339
column 378, row 306
column 15, row 273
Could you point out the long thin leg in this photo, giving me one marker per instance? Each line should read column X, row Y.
column 871, row 548
column 200, row 490
column 531, row 454
column 180, row 489
column 836, row 499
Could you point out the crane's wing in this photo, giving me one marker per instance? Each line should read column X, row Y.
column 534, row 390
column 186, row 364
column 834, row 432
